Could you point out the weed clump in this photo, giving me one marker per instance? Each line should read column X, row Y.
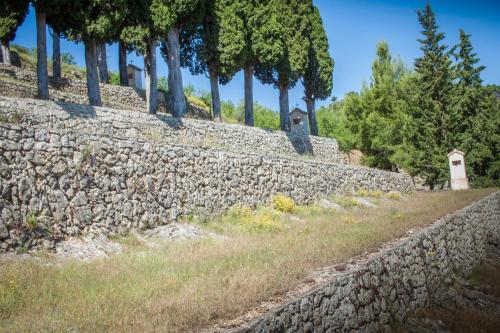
column 283, row 203
column 393, row 196
column 31, row 221
column 369, row 193
column 250, row 221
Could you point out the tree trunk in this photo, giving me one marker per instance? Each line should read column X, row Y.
column 151, row 77
column 102, row 63
column 93, row 89
column 311, row 114
column 56, row 55
column 177, row 99
column 248, row 73
column 214, row 89
column 122, row 63
column 41, row 55
column 285, row 124
column 6, row 54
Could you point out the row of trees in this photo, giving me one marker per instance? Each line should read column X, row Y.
column 280, row 42
column 411, row 118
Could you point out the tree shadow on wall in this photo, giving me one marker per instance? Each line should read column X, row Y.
column 85, row 111
column 301, row 143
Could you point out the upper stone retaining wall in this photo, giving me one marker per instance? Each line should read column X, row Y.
column 166, row 129
column 60, row 178
column 18, row 82
column 395, row 282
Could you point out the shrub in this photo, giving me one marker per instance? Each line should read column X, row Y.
column 283, row 203
column 198, row 102
column 252, row 221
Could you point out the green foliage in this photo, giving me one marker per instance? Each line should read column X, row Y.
column 162, row 84
column 318, row 79
column 99, row 20
column 434, row 88
column 289, row 43
column 167, row 13
column 114, row 78
column 31, row 221
column 87, row 153
column 11, row 17
column 377, row 115
column 333, row 123
column 68, row 59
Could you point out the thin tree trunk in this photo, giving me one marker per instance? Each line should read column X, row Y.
column 102, row 63
column 6, row 54
column 248, row 73
column 122, row 63
column 214, row 89
column 177, row 99
column 93, row 89
column 311, row 114
column 285, row 124
column 56, row 55
column 41, row 54
column 151, row 77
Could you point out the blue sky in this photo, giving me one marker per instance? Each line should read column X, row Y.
column 354, row 28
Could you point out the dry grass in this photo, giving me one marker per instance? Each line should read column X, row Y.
column 189, row 285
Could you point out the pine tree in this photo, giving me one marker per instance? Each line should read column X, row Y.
column 318, row 76
column 474, row 121
column 435, row 85
column 378, row 113
column 291, row 44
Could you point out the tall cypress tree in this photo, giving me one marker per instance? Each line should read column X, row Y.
column 11, row 17
column 94, row 22
column 169, row 17
column 291, row 46
column 318, row 76
column 141, row 34
column 248, row 34
column 200, row 50
column 435, row 85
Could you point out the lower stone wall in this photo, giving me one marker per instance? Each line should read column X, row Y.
column 57, row 181
column 396, row 282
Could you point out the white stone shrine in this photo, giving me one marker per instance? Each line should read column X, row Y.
column 459, row 180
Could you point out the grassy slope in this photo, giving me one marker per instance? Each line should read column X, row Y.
column 28, row 61
column 189, row 285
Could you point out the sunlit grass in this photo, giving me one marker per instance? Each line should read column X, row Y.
column 188, row 285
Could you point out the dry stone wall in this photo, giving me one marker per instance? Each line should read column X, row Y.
column 70, row 177
column 166, row 129
column 397, row 281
